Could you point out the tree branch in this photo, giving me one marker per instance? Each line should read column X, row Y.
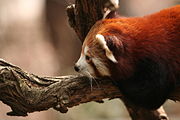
column 26, row 93
column 84, row 14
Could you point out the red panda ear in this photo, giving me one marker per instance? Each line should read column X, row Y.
column 101, row 40
column 115, row 44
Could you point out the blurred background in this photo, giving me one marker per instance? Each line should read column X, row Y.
column 35, row 35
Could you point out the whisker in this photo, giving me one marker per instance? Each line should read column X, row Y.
column 91, row 84
column 96, row 82
column 91, row 80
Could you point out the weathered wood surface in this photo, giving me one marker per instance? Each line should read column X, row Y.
column 26, row 93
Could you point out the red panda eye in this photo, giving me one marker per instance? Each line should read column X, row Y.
column 87, row 58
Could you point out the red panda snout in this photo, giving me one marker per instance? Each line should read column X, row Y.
column 76, row 68
column 83, row 67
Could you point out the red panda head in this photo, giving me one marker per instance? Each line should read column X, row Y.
column 95, row 57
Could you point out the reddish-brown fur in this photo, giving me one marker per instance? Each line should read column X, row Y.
column 150, row 43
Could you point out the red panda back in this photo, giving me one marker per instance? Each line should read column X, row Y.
column 157, row 34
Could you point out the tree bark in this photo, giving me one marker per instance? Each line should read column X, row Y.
column 26, row 93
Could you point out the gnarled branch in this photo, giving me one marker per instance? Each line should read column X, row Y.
column 26, row 93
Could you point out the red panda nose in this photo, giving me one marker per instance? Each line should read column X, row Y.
column 76, row 68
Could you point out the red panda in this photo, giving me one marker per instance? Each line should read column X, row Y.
column 140, row 54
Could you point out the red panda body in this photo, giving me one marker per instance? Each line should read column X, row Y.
column 147, row 50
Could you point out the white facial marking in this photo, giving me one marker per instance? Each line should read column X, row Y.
column 82, row 60
column 102, row 42
column 86, row 48
column 103, row 70
column 83, row 65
